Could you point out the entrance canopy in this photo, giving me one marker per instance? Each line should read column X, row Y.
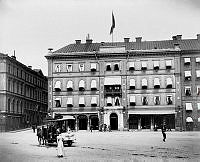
column 148, row 112
column 115, row 80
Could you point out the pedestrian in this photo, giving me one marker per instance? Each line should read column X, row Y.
column 39, row 134
column 33, row 127
column 91, row 128
column 60, row 146
column 44, row 135
column 163, row 132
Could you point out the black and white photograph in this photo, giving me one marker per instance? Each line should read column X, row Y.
column 100, row 80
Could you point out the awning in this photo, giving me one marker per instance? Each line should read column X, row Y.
column 198, row 106
column 198, row 73
column 132, row 82
column 81, row 101
column 94, row 100
column 93, row 84
column 156, row 81
column 198, row 59
column 115, row 80
column 169, row 81
column 132, row 99
column 81, row 84
column 187, row 60
column 131, row 64
column 58, row 85
column 109, row 100
column 188, row 106
column 144, row 82
column 69, row 101
column 66, row 117
column 189, row 120
column 155, row 112
column 70, row 84
column 168, row 62
column 57, row 99
column 144, row 64
column 156, row 63
column 93, row 66
column 187, row 73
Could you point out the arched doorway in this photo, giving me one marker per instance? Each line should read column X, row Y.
column 94, row 121
column 83, row 120
column 113, row 121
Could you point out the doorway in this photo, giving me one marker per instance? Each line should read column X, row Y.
column 113, row 121
column 83, row 120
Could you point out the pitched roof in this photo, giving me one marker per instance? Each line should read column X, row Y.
column 184, row 44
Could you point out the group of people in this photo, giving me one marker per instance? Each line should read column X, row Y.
column 42, row 135
column 104, row 128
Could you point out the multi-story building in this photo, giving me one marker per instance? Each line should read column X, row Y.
column 126, row 85
column 23, row 94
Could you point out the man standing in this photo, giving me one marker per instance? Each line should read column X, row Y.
column 163, row 132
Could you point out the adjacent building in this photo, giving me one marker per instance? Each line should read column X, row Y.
column 23, row 94
column 127, row 85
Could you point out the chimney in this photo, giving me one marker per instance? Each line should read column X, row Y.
column 176, row 46
column 14, row 57
column 78, row 41
column 138, row 39
column 179, row 37
column 88, row 41
column 126, row 40
column 198, row 37
column 174, row 38
column 50, row 50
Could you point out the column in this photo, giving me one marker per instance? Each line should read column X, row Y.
column 152, row 122
column 139, row 123
column 88, row 124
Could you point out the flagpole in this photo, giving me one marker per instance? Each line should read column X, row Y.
column 112, row 37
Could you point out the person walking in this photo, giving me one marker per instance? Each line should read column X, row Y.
column 60, row 146
column 39, row 134
column 33, row 127
column 163, row 132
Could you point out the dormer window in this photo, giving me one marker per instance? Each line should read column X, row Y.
column 108, row 67
column 69, row 67
column 81, row 67
column 131, row 66
column 116, row 67
column 186, row 61
column 57, row 68
column 144, row 65
column 93, row 67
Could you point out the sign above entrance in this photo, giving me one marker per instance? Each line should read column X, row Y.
column 115, row 80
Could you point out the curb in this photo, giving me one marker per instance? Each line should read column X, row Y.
column 19, row 130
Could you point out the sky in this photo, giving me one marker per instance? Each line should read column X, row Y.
column 30, row 27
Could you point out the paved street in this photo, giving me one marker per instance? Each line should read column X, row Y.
column 104, row 146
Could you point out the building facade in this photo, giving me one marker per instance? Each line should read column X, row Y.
column 126, row 85
column 23, row 94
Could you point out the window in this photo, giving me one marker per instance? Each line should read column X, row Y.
column 189, row 120
column 144, row 100
column 94, row 101
column 168, row 64
column 144, row 83
column 198, row 60
column 169, row 83
column 156, row 83
column 188, row 91
column 131, row 66
column 132, row 83
column 188, row 107
column 57, row 86
column 144, row 66
column 58, row 102
column 198, row 90
column 81, row 85
column 187, row 75
column 198, row 74
column 108, row 67
column 69, row 67
column 186, row 61
column 169, row 100
column 81, row 102
column 117, row 101
column 198, row 106
column 69, row 85
column 93, row 67
column 93, row 85
column 132, row 101
column 57, row 68
column 156, row 65
column 157, row 100
column 116, row 67
column 70, row 102
column 81, row 67
column 109, row 101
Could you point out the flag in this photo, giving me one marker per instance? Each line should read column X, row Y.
column 113, row 24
